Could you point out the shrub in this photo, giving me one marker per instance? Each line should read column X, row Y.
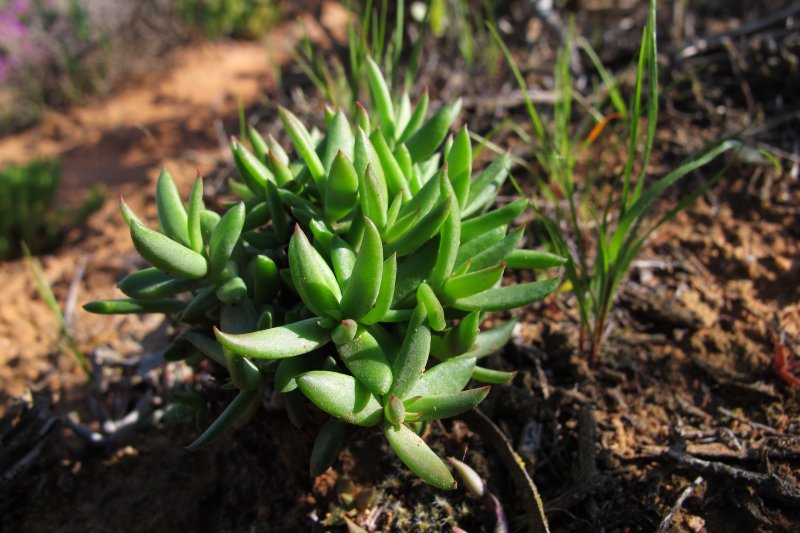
column 229, row 18
column 26, row 207
column 355, row 278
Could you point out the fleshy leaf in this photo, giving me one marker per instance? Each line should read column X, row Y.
column 265, row 278
column 446, row 405
column 534, row 259
column 384, row 300
column 313, row 278
column 291, row 367
column 339, row 140
column 416, row 119
column 253, row 171
column 207, row 346
column 305, row 148
column 341, row 396
column 472, row 481
column 208, row 221
column 205, row 300
column 166, row 254
column 433, row 307
column 448, row 377
column 152, row 284
column 395, row 181
column 343, row 259
column 479, row 225
column 420, row 232
column 224, row 238
column 279, row 342
column 362, row 117
column 258, row 143
column 449, row 240
column 277, row 214
column 196, row 208
column 470, row 249
column 256, row 216
column 171, row 213
column 364, row 156
column 326, row 446
column 413, row 271
column 495, row 377
column 426, row 140
column 473, row 282
column 484, row 189
column 244, row 374
column 238, row 407
column 510, row 297
column 459, row 163
column 128, row 306
column 498, row 252
column 395, row 411
column 344, row 332
column 276, row 150
column 364, row 282
column 283, row 174
column 232, row 291
column 374, row 202
column 127, row 214
column 418, row 457
column 342, row 192
column 365, row 358
column 492, row 340
column 381, row 98
column 413, row 355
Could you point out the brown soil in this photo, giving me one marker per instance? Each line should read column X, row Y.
column 686, row 387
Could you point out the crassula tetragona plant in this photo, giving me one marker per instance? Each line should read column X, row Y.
column 355, row 277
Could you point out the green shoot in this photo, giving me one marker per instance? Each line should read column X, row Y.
column 64, row 338
column 601, row 235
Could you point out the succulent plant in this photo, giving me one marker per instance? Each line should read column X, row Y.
column 355, row 277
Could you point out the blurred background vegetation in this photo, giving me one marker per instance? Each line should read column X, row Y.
column 55, row 53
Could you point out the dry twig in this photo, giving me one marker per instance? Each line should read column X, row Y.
column 662, row 527
column 769, row 484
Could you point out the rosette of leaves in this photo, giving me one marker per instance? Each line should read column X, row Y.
column 354, row 278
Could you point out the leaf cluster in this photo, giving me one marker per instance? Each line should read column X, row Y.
column 602, row 233
column 229, row 18
column 354, row 278
column 27, row 193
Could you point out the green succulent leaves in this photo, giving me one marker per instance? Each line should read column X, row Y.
column 341, row 396
column 312, row 277
column 342, row 192
column 278, row 342
column 166, row 254
column 367, row 361
column 418, row 457
column 413, row 355
column 171, row 213
column 364, row 283
column 353, row 277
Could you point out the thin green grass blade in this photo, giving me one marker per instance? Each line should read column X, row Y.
column 609, row 82
column 647, row 199
column 46, row 292
column 652, row 97
column 532, row 113
column 633, row 121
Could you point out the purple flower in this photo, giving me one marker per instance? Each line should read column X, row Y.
column 19, row 7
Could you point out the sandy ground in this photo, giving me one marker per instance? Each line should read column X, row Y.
column 179, row 118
